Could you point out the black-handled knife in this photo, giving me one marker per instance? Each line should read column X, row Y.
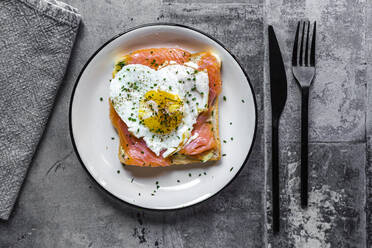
column 278, row 90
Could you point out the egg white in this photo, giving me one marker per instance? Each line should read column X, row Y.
column 191, row 86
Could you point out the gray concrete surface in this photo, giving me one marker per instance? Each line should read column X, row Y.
column 336, row 216
column 60, row 207
column 369, row 127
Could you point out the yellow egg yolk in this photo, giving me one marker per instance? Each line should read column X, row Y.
column 161, row 111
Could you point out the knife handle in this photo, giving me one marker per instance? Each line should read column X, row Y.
column 275, row 174
column 304, row 148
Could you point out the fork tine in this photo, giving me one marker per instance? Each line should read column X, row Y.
column 295, row 44
column 302, row 44
column 312, row 54
column 307, row 45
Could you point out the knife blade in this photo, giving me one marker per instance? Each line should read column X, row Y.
column 278, row 93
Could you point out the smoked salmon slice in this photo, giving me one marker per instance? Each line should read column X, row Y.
column 204, row 142
column 155, row 57
column 136, row 150
column 209, row 62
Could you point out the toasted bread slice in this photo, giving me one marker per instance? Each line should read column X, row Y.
column 177, row 158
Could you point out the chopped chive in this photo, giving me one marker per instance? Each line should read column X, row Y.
column 224, row 155
column 112, row 138
column 231, row 168
column 132, row 180
column 205, row 173
column 232, row 138
column 243, row 101
column 118, row 171
column 224, row 98
column 189, row 174
column 101, row 99
column 224, row 141
column 178, row 181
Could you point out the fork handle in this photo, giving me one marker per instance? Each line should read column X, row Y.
column 304, row 146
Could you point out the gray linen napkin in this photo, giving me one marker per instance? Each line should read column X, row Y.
column 36, row 38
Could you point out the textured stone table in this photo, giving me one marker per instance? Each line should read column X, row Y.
column 60, row 207
column 336, row 216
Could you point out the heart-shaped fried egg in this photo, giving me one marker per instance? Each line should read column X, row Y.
column 160, row 106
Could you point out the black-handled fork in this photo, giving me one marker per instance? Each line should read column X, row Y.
column 303, row 69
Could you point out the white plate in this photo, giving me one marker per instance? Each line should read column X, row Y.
column 92, row 132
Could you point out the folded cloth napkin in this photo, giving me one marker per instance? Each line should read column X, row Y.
column 36, row 38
